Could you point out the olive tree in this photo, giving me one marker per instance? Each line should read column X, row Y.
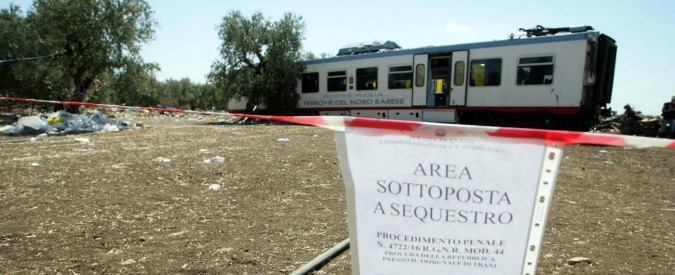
column 260, row 60
column 94, row 36
column 27, row 64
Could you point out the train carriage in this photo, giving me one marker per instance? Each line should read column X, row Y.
column 559, row 81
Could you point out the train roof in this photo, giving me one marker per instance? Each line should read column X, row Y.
column 460, row 47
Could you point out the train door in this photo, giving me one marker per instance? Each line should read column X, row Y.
column 419, row 97
column 439, row 90
column 458, row 80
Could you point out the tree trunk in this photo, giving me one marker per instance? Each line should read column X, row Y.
column 81, row 87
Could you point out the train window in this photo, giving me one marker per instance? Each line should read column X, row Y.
column 366, row 78
column 536, row 70
column 486, row 72
column 310, row 83
column 400, row 77
column 420, row 77
column 459, row 73
column 337, row 81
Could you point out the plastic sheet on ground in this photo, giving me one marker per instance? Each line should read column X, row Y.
column 62, row 122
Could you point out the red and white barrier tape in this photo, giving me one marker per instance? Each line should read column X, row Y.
column 89, row 104
column 421, row 129
column 435, row 130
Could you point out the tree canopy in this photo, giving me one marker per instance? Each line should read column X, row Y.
column 260, row 60
column 84, row 39
column 89, row 50
column 28, row 67
column 94, row 36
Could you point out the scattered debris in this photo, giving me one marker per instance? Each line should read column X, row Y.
column 62, row 122
column 163, row 160
column 215, row 159
column 114, row 251
column 214, row 187
column 579, row 260
column 113, row 128
column 128, row 262
column 225, row 122
column 31, row 125
column 82, row 140
column 8, row 118
column 8, row 130
column 631, row 122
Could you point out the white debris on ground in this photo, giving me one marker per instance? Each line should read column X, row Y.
column 62, row 122
column 162, row 160
column 215, row 159
column 82, row 140
column 98, row 120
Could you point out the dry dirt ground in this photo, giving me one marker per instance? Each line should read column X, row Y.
column 68, row 207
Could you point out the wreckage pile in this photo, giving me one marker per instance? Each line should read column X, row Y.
column 60, row 122
column 631, row 123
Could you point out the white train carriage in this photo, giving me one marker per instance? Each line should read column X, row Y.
column 553, row 81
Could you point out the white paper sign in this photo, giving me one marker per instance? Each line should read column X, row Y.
column 445, row 205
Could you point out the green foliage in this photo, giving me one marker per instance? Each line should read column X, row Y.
column 95, row 36
column 133, row 84
column 92, row 44
column 192, row 95
column 18, row 40
column 312, row 56
column 92, row 52
column 260, row 60
column 13, row 40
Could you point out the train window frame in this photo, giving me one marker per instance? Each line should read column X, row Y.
column 398, row 73
column 366, row 79
column 314, row 87
column 491, row 65
column 420, row 75
column 535, row 70
column 460, row 67
column 336, row 81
